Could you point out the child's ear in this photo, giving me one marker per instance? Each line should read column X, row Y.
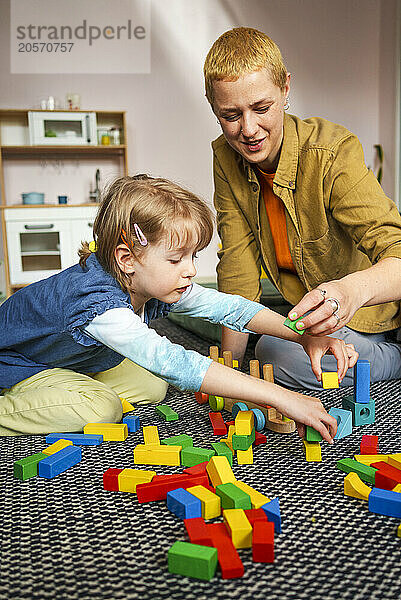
column 125, row 259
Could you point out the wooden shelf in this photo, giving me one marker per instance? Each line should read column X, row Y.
column 15, row 151
column 4, row 206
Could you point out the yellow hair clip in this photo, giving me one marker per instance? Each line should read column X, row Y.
column 92, row 246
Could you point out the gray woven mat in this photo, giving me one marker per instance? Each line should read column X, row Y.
column 67, row 538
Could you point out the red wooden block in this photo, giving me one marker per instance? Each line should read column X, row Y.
column 217, row 421
column 388, row 470
column 197, row 469
column 228, row 423
column 168, row 477
column 263, row 542
column 198, row 532
column 201, row 398
column 259, row 439
column 230, row 563
column 148, row 492
column 369, row 444
column 110, row 479
column 384, row 481
column 255, row 514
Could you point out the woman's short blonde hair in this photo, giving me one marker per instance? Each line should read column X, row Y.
column 163, row 211
column 239, row 51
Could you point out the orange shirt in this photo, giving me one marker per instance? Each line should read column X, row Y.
column 276, row 215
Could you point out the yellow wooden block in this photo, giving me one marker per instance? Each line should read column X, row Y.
column 211, row 503
column 399, row 531
column 330, row 380
column 397, row 488
column 257, row 499
column 59, row 445
column 238, row 527
column 395, row 460
column 219, row 471
column 150, row 435
column 245, row 457
column 128, row 479
column 228, row 443
column 111, row 432
column 157, row 454
column 221, row 361
column 244, row 422
column 368, row 459
column 313, row 452
column 355, row 487
column 127, row 406
column 235, row 364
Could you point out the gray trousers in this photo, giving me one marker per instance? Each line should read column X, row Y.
column 292, row 367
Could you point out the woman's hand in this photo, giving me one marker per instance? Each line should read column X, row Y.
column 316, row 347
column 330, row 306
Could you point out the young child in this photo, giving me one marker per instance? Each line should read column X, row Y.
column 72, row 344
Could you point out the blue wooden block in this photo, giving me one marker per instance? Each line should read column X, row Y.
column 362, row 413
column 362, row 381
column 132, row 423
column 237, row 407
column 259, row 419
column 385, row 502
column 59, row 462
column 272, row 511
column 344, row 421
column 183, row 504
column 80, row 439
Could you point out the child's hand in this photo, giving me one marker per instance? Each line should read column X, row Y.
column 316, row 347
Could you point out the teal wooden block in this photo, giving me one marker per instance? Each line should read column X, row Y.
column 362, row 413
column 344, row 422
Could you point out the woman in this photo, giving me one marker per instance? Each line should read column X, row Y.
column 295, row 197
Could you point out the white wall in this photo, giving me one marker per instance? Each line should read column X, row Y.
column 333, row 50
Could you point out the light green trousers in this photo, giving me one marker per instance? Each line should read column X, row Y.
column 60, row 400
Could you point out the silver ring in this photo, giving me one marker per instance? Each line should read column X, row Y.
column 335, row 305
column 337, row 317
column 323, row 292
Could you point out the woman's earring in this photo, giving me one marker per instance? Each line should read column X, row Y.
column 218, row 122
column 287, row 103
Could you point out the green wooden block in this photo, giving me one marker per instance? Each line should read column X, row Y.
column 28, row 467
column 192, row 560
column 182, row 440
column 243, row 442
column 222, row 449
column 194, row 456
column 216, row 403
column 166, row 412
column 312, row 435
column 365, row 472
column 232, row 496
column 291, row 325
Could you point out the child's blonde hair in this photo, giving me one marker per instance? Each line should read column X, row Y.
column 239, row 51
column 160, row 208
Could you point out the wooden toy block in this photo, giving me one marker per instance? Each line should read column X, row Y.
column 198, row 532
column 219, row 471
column 243, row 442
column 183, row 504
column 201, row 398
column 229, row 561
column 150, row 435
column 344, row 422
column 237, row 407
column 214, row 353
column 211, row 503
column 127, row 406
column 384, row 481
column 388, row 469
column 259, row 419
column 191, row 456
column 59, row 462
column 399, row 531
column 257, row 499
column 197, row 469
column 268, row 372
column 311, row 435
column 245, row 457
column 354, row 486
column 110, row 479
column 369, row 444
column 157, row 489
column 216, row 403
column 385, row 502
column 244, row 422
column 27, row 467
column 111, row 432
column 228, row 358
column 128, row 479
column 217, row 421
column 132, row 422
column 330, row 380
column 235, row 364
column 166, row 412
column 293, row 325
column 232, row 496
column 222, row 449
column 263, row 542
column 313, row 452
column 192, row 560
column 183, row 440
column 255, row 514
column 365, row 472
column 238, row 527
column 277, row 422
column 259, row 439
column 59, row 445
column 397, row 488
column 254, row 368
column 368, row 459
column 395, row 460
column 148, row 454
column 272, row 510
column 362, row 413
column 79, row 439
column 362, row 382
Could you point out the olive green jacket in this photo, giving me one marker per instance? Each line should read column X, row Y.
column 338, row 218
